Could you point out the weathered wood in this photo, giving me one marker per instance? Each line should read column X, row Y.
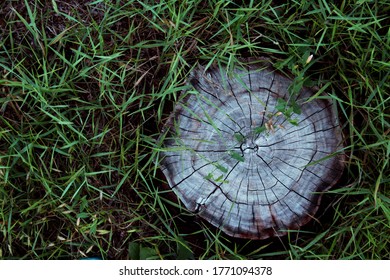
column 237, row 158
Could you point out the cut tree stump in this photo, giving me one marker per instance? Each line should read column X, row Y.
column 247, row 156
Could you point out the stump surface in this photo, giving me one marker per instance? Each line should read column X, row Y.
column 248, row 157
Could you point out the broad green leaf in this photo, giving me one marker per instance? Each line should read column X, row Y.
column 239, row 137
column 259, row 129
column 237, row 156
column 222, row 168
column 134, row 251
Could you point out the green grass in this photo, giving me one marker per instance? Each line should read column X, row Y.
column 86, row 85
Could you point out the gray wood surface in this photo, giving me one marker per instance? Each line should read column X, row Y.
column 236, row 159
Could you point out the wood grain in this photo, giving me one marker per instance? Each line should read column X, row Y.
column 234, row 158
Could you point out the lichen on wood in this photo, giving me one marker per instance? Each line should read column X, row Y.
column 247, row 156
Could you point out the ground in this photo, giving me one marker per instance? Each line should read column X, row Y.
column 85, row 87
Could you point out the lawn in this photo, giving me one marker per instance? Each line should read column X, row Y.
column 85, row 87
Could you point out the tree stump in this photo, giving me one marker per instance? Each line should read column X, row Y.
column 247, row 156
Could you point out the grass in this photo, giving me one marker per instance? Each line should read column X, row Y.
column 86, row 85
